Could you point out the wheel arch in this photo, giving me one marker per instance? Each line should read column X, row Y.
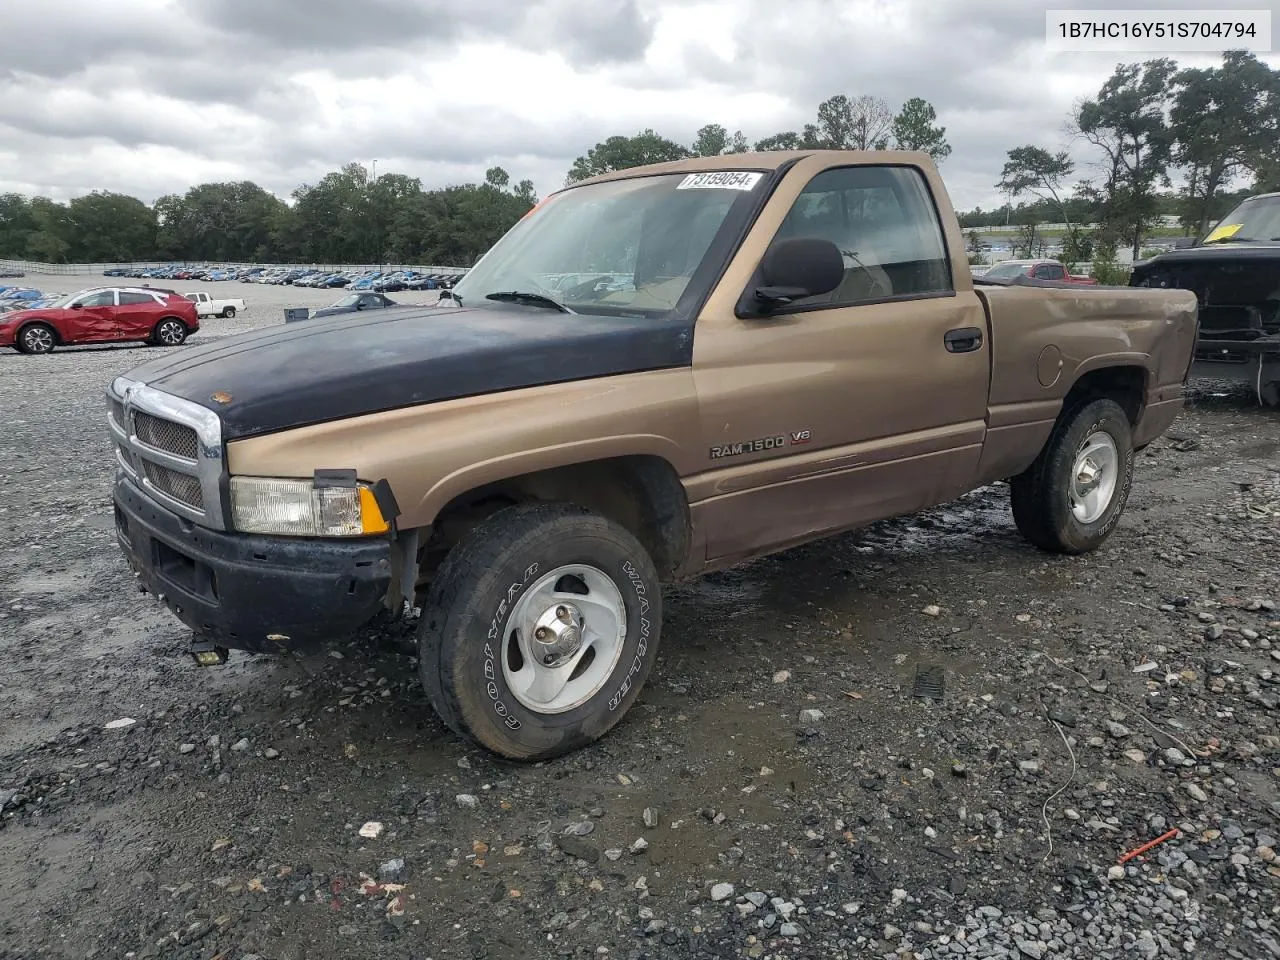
column 38, row 321
column 640, row 491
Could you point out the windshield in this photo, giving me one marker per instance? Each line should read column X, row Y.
column 622, row 247
column 1257, row 219
column 1007, row 270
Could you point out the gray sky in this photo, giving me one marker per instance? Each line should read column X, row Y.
column 148, row 97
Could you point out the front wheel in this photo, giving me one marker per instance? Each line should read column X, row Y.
column 1070, row 499
column 229, row 312
column 539, row 630
column 37, row 338
column 169, row 332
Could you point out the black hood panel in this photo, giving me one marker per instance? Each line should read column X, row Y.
column 318, row 370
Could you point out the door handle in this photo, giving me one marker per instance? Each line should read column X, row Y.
column 963, row 339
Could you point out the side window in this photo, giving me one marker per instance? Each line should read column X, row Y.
column 1051, row 271
column 133, row 299
column 884, row 222
column 105, row 299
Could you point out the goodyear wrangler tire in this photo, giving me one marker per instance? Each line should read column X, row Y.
column 1071, row 498
column 539, row 630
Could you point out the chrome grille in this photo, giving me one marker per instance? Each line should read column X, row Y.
column 174, row 438
column 180, row 486
column 170, row 448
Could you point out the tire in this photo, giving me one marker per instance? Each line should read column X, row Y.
column 169, row 332
column 491, row 592
column 228, row 312
column 37, row 338
column 1048, row 513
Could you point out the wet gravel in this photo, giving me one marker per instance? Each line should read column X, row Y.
column 792, row 783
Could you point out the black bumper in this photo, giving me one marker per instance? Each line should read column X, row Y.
column 248, row 592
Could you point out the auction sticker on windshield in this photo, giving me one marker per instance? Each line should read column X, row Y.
column 721, row 180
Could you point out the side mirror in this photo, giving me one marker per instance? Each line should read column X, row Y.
column 796, row 268
column 75, row 306
column 360, row 305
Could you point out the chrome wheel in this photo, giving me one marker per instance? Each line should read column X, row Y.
column 1093, row 477
column 563, row 639
column 171, row 333
column 37, row 339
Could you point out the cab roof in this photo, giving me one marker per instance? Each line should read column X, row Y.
column 761, row 160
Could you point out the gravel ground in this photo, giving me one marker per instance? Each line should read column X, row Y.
column 780, row 789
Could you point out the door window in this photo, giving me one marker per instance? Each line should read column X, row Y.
column 106, row 298
column 135, row 299
column 884, row 221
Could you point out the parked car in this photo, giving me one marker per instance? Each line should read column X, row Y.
column 101, row 315
column 11, row 272
column 1040, row 269
column 1235, row 274
column 207, row 306
column 354, row 302
column 529, row 468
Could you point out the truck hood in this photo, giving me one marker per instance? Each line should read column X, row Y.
column 1212, row 254
column 313, row 371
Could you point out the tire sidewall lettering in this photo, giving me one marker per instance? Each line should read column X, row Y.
column 496, row 625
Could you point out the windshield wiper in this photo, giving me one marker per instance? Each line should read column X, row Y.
column 531, row 299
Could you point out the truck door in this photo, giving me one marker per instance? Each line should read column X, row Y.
column 866, row 402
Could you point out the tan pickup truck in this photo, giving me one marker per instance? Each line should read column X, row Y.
column 656, row 373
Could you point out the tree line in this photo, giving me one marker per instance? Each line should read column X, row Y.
column 1215, row 126
column 348, row 216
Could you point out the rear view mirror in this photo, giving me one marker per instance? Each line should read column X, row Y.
column 796, row 268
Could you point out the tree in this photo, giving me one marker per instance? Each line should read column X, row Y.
column 110, row 226
column 913, row 129
column 622, row 153
column 738, row 142
column 1126, row 121
column 710, row 141
column 1034, row 170
column 860, row 123
column 1225, row 122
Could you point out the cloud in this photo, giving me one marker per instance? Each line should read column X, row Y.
column 150, row 96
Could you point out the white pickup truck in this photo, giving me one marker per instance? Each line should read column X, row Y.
column 206, row 306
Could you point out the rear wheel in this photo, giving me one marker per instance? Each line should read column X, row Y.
column 37, row 338
column 228, row 312
column 1071, row 498
column 539, row 630
column 169, row 332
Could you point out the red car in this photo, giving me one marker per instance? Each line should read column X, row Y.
column 1039, row 269
column 102, row 315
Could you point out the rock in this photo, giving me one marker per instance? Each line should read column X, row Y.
column 959, row 770
column 810, row 716
column 721, row 891
column 1213, row 632
column 757, row 899
column 1030, row 948
column 583, row 829
column 574, row 846
column 650, row 817
column 640, row 846
column 1137, row 756
column 1029, row 766
column 240, row 746
column 372, row 830
column 270, row 753
column 1175, row 756
column 1196, row 793
column 391, row 871
column 467, row 801
column 1116, row 873
column 1118, row 730
column 932, row 610
column 782, row 676
column 187, row 748
column 120, row 724
column 789, row 930
column 891, row 933
column 613, row 854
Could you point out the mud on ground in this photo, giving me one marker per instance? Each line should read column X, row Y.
column 780, row 789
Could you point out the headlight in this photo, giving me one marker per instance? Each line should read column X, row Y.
column 300, row 508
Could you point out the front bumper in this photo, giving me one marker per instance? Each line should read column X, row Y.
column 249, row 592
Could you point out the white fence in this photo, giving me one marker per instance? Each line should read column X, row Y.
column 75, row 269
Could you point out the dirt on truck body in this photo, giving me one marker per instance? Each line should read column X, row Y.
column 658, row 373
